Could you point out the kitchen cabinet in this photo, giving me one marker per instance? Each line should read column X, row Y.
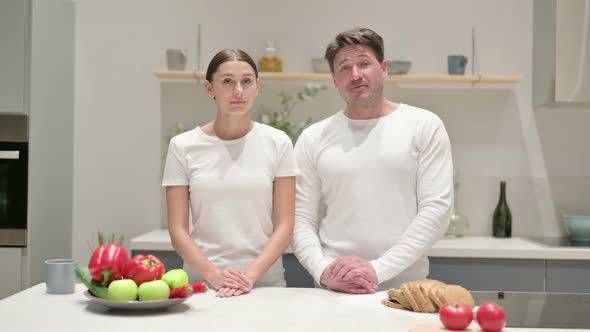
column 10, row 281
column 490, row 274
column 523, row 275
column 572, row 51
column 295, row 274
column 568, row 276
column 51, row 137
column 14, row 59
column 561, row 48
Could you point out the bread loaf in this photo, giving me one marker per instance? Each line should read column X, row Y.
column 426, row 295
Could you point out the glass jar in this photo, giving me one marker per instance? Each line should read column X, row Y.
column 459, row 225
column 270, row 62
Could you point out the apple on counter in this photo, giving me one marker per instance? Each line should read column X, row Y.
column 153, row 291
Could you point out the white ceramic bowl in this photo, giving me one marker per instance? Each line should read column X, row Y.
column 398, row 67
column 577, row 227
column 320, row 65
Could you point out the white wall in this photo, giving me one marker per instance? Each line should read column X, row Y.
column 493, row 129
column 116, row 122
column 51, row 124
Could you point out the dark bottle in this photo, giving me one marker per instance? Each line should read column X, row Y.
column 502, row 215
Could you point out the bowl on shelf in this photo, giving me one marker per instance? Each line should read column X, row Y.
column 398, row 67
column 577, row 227
column 320, row 65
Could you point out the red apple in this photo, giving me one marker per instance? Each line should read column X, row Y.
column 491, row 317
column 455, row 316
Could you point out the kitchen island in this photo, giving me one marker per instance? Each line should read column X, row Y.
column 264, row 309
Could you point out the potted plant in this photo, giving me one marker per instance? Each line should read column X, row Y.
column 282, row 119
column 278, row 119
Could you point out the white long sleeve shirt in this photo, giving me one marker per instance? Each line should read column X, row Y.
column 379, row 188
column 231, row 193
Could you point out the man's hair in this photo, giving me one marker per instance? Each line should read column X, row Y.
column 356, row 36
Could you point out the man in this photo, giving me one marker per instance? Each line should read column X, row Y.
column 375, row 188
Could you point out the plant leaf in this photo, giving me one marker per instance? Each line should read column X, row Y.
column 100, row 238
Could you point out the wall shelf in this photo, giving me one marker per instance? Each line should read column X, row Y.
column 409, row 78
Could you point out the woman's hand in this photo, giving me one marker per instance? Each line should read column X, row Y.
column 234, row 282
column 215, row 279
column 234, row 278
column 229, row 292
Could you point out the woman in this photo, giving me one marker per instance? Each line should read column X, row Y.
column 237, row 177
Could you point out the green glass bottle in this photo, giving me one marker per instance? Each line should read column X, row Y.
column 502, row 216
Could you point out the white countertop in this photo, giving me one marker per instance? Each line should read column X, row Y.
column 466, row 247
column 264, row 309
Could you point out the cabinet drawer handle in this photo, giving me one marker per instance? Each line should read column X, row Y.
column 9, row 154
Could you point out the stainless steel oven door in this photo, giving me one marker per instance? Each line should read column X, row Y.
column 13, row 193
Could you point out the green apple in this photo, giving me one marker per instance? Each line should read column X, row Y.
column 153, row 291
column 122, row 290
column 175, row 278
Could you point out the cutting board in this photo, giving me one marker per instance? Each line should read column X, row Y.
column 438, row 327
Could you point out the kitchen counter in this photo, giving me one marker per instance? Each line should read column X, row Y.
column 466, row 247
column 264, row 309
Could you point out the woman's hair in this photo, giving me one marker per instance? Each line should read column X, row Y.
column 356, row 36
column 230, row 54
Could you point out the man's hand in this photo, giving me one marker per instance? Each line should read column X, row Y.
column 348, row 267
column 350, row 274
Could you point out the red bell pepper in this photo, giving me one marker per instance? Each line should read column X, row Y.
column 144, row 268
column 199, row 287
column 181, row 292
column 108, row 263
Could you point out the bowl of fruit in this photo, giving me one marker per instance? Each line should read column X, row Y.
column 118, row 282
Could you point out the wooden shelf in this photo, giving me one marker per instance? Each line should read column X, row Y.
column 312, row 77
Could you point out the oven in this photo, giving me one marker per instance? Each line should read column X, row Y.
column 14, row 160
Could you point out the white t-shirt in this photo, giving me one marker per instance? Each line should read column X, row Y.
column 231, row 193
column 379, row 188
